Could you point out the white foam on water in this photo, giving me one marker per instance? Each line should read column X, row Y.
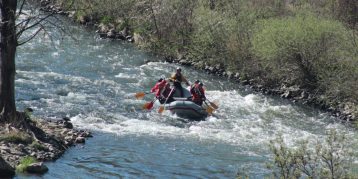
column 55, row 54
column 248, row 121
column 52, row 75
column 125, row 125
column 123, row 75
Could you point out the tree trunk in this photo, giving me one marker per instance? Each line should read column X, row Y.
column 8, row 43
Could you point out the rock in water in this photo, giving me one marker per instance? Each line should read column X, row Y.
column 38, row 168
column 6, row 171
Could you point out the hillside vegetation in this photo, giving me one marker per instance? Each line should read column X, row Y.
column 307, row 44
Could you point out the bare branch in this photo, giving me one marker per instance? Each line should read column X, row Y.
column 26, row 21
column 32, row 36
column 33, row 25
column 20, row 9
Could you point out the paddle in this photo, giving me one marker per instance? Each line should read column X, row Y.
column 149, row 105
column 140, row 95
column 213, row 104
column 209, row 109
column 161, row 108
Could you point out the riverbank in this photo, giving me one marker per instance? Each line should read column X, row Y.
column 309, row 81
column 295, row 93
column 39, row 139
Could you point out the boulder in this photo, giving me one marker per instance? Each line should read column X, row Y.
column 111, row 33
column 83, row 19
column 71, row 14
column 286, row 94
column 138, row 38
column 129, row 38
column 184, row 62
column 120, row 36
column 37, row 168
column 80, row 140
column 67, row 119
column 6, row 171
column 125, row 32
column 68, row 125
column 103, row 28
column 229, row 74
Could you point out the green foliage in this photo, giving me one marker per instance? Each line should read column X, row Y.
column 299, row 46
column 329, row 159
column 106, row 20
column 16, row 137
column 222, row 37
column 25, row 162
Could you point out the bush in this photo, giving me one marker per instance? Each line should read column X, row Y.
column 301, row 48
column 329, row 159
column 25, row 162
column 223, row 38
column 106, row 20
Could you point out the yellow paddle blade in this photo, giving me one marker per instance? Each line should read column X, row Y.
column 214, row 105
column 161, row 109
column 139, row 95
column 209, row 110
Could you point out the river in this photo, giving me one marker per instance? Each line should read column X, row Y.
column 89, row 80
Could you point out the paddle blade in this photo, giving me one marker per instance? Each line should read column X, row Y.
column 161, row 109
column 209, row 110
column 148, row 105
column 214, row 105
column 145, row 105
column 139, row 95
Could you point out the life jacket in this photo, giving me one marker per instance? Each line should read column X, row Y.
column 166, row 94
column 178, row 77
column 197, row 93
column 158, row 88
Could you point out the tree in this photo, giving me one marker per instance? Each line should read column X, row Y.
column 331, row 158
column 8, row 43
column 11, row 36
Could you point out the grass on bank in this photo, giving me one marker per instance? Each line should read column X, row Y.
column 16, row 137
column 25, row 162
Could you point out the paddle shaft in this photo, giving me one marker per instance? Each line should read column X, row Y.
column 171, row 91
column 149, row 105
column 213, row 104
column 161, row 108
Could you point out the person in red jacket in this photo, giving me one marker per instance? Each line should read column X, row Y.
column 160, row 84
column 198, row 94
column 162, row 91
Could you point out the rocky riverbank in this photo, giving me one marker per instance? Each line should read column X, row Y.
column 344, row 110
column 42, row 140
